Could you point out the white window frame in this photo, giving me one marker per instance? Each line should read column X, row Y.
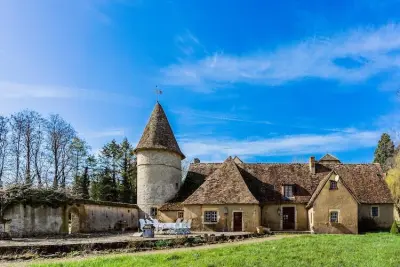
column 210, row 222
column 291, row 190
column 338, row 216
column 378, row 212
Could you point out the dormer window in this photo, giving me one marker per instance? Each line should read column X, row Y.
column 288, row 191
column 333, row 185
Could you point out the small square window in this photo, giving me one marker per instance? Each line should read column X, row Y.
column 153, row 212
column 180, row 214
column 333, row 185
column 210, row 216
column 375, row 211
column 334, row 216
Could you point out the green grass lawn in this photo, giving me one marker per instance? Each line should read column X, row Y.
column 381, row 250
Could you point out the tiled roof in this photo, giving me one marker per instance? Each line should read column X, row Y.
column 329, row 158
column 158, row 133
column 264, row 181
column 226, row 185
column 195, row 177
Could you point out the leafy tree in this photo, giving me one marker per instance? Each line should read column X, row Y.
column 384, row 151
column 393, row 181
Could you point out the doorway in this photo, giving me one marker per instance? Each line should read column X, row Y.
column 73, row 221
column 288, row 218
column 237, row 221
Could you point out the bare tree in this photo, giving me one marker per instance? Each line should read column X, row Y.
column 31, row 139
column 59, row 138
column 17, row 131
column 40, row 158
column 3, row 145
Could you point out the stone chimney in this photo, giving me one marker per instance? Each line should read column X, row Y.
column 196, row 160
column 312, row 165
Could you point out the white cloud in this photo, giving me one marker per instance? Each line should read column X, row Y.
column 349, row 57
column 282, row 146
column 17, row 91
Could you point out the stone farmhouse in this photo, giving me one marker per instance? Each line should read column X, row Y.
column 321, row 196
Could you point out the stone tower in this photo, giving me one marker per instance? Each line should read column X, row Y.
column 159, row 159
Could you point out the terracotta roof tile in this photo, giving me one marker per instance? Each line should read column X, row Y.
column 329, row 158
column 158, row 133
column 265, row 181
column 224, row 186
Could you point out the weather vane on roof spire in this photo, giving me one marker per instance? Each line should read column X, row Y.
column 158, row 92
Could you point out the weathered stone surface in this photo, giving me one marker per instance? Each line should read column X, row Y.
column 26, row 220
column 158, row 178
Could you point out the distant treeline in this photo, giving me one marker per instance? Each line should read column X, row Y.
column 46, row 152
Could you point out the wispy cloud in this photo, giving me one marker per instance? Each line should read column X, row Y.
column 10, row 90
column 189, row 44
column 353, row 56
column 192, row 116
column 292, row 145
column 104, row 133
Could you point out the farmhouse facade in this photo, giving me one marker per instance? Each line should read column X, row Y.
column 324, row 196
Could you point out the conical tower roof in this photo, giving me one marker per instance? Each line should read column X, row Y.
column 158, row 133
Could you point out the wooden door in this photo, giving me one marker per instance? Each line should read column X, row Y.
column 237, row 222
column 288, row 221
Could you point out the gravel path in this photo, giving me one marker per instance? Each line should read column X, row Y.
column 166, row 251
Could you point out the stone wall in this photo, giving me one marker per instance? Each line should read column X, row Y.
column 101, row 218
column 27, row 220
column 159, row 178
column 83, row 216
column 385, row 218
column 168, row 216
column 250, row 217
column 272, row 216
column 339, row 200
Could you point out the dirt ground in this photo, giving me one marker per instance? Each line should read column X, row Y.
column 248, row 241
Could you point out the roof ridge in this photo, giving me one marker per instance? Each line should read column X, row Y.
column 230, row 190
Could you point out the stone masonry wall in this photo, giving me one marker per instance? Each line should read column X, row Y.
column 159, row 178
column 86, row 217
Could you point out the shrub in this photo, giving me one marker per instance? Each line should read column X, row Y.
column 394, row 229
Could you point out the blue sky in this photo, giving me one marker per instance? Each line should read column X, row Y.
column 274, row 81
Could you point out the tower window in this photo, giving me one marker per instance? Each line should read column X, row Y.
column 176, row 185
column 153, row 212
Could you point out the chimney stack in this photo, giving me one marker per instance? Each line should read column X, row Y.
column 196, row 160
column 312, row 165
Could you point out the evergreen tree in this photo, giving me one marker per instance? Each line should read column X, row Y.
column 84, row 184
column 107, row 187
column 126, row 193
column 384, row 151
column 110, row 157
